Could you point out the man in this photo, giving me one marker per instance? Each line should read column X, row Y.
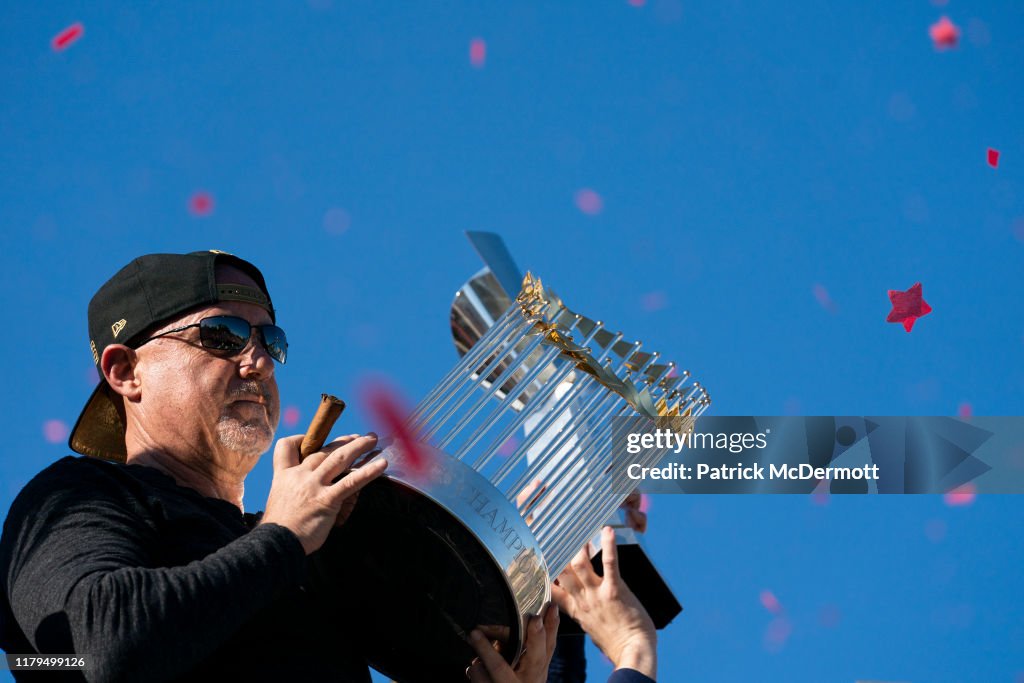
column 140, row 556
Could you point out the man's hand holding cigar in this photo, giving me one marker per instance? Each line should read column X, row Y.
column 311, row 492
column 304, row 496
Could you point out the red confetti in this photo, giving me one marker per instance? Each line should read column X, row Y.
column 645, row 503
column 829, row 616
column 589, row 202
column 55, row 431
column 993, row 157
column 770, row 602
column 65, row 38
column 822, row 296
column 961, row 496
column 944, row 33
column 201, row 204
column 935, row 530
column 777, row 633
column 821, row 496
column 964, row 411
column 509, row 447
column 337, row 221
column 291, row 416
column 654, row 301
column 907, row 306
column 477, row 52
column 389, row 412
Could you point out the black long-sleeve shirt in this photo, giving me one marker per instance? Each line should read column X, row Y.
column 153, row 581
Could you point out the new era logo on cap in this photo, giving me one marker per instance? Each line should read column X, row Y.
column 118, row 326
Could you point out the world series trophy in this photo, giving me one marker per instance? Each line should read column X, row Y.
column 511, row 473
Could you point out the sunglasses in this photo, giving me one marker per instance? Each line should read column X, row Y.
column 230, row 333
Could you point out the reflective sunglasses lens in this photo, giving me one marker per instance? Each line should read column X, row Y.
column 224, row 333
column 275, row 342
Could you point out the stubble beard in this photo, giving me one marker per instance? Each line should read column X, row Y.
column 248, row 438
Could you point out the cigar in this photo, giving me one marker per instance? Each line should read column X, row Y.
column 326, row 415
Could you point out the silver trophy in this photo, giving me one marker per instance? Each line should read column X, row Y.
column 510, row 474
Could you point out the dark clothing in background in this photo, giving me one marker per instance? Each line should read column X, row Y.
column 153, row 581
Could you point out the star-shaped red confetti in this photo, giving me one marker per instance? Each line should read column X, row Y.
column 944, row 33
column 993, row 157
column 65, row 38
column 907, row 306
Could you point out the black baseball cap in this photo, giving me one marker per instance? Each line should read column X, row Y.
column 149, row 290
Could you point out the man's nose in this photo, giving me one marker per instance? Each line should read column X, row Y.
column 255, row 362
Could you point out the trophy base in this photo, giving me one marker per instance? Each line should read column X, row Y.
column 415, row 571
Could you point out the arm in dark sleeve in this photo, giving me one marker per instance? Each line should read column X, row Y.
column 629, row 676
column 569, row 662
column 79, row 579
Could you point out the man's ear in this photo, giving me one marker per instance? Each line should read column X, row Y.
column 118, row 367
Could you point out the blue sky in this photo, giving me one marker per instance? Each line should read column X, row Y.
column 744, row 154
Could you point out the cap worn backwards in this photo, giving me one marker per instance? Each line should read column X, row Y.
column 149, row 290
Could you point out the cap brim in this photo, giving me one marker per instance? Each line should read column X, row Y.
column 99, row 431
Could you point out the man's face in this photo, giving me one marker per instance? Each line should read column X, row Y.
column 211, row 402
